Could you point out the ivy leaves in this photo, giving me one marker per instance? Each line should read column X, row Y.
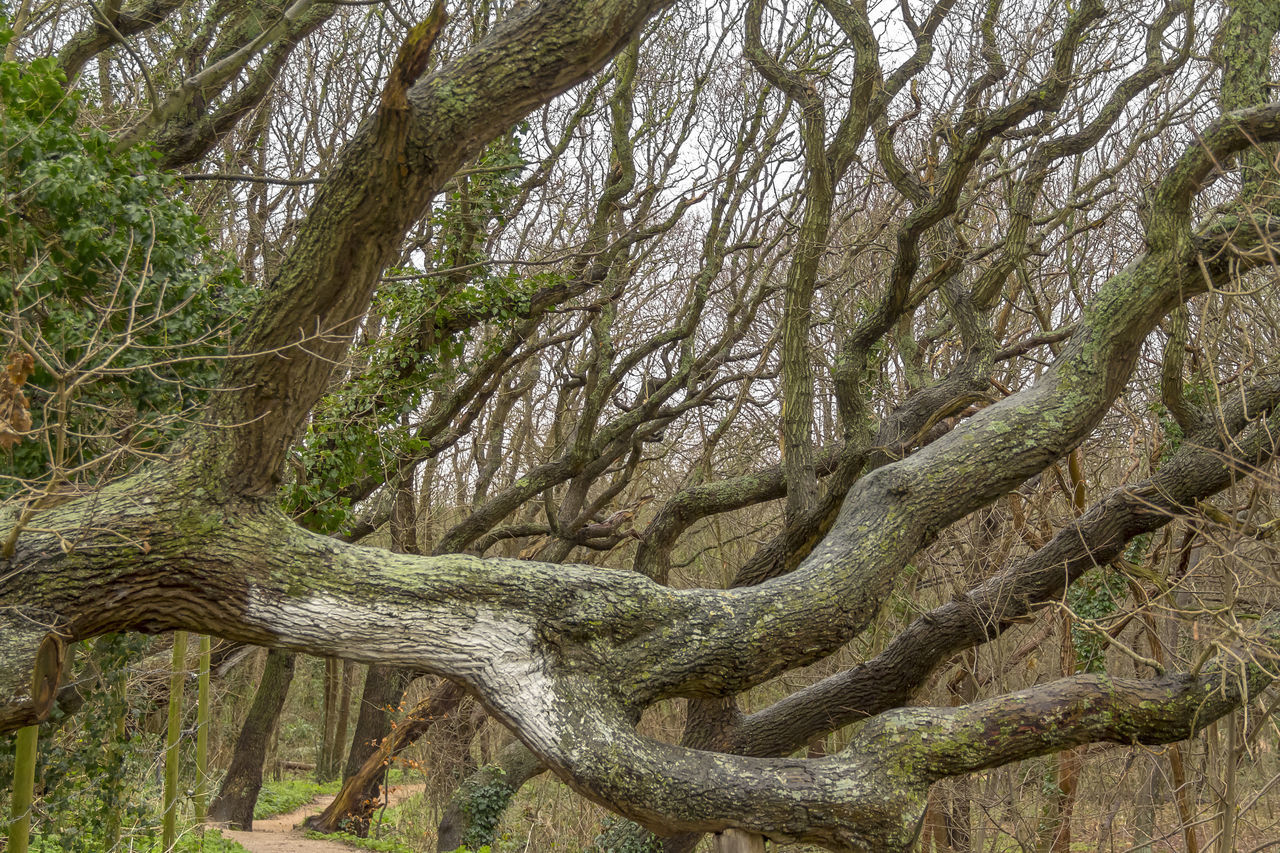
column 109, row 281
column 425, row 333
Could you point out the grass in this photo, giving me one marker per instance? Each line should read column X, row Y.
column 192, row 841
column 277, row 798
column 379, row 845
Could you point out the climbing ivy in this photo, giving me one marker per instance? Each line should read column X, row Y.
column 1096, row 596
column 111, row 287
column 483, row 805
column 91, row 769
column 615, row 839
column 364, row 426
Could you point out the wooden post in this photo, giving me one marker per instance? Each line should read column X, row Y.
column 24, row 776
column 737, row 841
column 169, row 822
column 203, row 712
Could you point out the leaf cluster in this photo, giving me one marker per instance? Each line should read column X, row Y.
column 430, row 329
column 108, row 278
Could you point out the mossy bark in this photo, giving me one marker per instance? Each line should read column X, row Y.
column 177, row 680
column 567, row 656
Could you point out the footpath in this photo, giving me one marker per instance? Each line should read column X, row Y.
column 283, row 833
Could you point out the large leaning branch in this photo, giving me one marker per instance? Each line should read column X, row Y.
column 1205, row 465
column 380, row 186
column 566, row 656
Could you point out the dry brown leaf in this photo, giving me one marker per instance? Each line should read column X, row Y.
column 15, row 411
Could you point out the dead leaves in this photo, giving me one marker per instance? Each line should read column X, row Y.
column 15, row 411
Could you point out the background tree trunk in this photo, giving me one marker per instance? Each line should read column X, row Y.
column 359, row 796
column 343, row 723
column 737, row 841
column 384, row 688
column 239, row 792
column 473, row 811
column 326, row 760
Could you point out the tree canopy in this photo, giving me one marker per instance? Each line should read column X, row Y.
column 661, row 343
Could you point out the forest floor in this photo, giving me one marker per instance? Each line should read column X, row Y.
column 283, row 833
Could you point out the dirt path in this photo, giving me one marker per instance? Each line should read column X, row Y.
column 279, row 834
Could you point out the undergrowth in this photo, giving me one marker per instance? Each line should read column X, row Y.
column 286, row 795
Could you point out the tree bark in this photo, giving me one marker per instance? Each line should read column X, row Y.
column 473, row 811
column 737, row 841
column 344, row 716
column 384, row 689
column 326, row 763
column 239, row 792
column 568, row 656
column 359, row 796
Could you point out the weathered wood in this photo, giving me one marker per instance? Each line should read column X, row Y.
column 737, row 841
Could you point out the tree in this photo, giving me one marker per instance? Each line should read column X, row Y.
column 932, row 201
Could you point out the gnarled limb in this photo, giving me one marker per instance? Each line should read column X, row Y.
column 378, row 188
column 566, row 655
column 1205, row 465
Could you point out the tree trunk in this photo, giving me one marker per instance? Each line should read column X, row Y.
column 239, row 793
column 1144, row 810
column 344, row 715
column 956, row 815
column 1055, row 836
column 473, row 812
column 934, row 835
column 962, row 688
column 737, row 841
column 326, row 763
column 1225, row 820
column 359, row 796
column 1177, row 770
column 384, row 688
column 1182, row 795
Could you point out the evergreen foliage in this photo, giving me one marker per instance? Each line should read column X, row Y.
column 110, row 285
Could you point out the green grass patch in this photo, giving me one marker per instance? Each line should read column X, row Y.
column 209, row 841
column 277, row 798
column 379, row 845
column 191, row 841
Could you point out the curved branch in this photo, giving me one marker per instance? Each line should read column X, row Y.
column 85, row 45
column 1084, row 709
column 1205, row 465
column 379, row 187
